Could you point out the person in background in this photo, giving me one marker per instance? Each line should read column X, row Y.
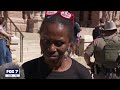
column 102, row 69
column 56, row 36
column 5, row 53
column 97, row 31
column 77, row 30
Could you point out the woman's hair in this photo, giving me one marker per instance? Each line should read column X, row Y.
column 59, row 20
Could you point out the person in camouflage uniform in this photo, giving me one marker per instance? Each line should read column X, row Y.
column 96, row 48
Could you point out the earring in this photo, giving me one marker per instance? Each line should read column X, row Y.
column 68, row 51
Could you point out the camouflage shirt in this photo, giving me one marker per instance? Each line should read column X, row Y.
column 96, row 47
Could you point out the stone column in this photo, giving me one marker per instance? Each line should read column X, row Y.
column 76, row 14
column 104, row 14
column 1, row 13
column 37, row 21
column 100, row 14
column 95, row 18
column 85, row 18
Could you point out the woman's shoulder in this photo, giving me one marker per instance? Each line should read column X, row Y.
column 32, row 63
column 76, row 63
column 82, row 70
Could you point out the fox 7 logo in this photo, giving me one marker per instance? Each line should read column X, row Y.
column 12, row 71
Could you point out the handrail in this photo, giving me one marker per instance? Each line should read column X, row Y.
column 21, row 38
column 16, row 27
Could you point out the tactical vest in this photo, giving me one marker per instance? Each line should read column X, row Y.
column 111, row 52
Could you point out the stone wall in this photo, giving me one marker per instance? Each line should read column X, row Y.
column 16, row 16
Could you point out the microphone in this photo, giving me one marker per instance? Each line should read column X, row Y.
column 11, row 66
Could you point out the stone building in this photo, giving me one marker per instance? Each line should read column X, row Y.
column 24, row 19
column 31, row 20
column 91, row 18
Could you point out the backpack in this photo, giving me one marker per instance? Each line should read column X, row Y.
column 111, row 53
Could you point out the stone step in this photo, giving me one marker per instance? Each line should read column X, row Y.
column 31, row 36
column 31, row 47
column 26, row 57
column 15, row 40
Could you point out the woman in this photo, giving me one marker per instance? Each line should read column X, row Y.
column 56, row 35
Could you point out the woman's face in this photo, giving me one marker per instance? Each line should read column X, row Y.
column 54, row 42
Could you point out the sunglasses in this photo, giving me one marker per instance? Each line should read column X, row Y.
column 64, row 14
